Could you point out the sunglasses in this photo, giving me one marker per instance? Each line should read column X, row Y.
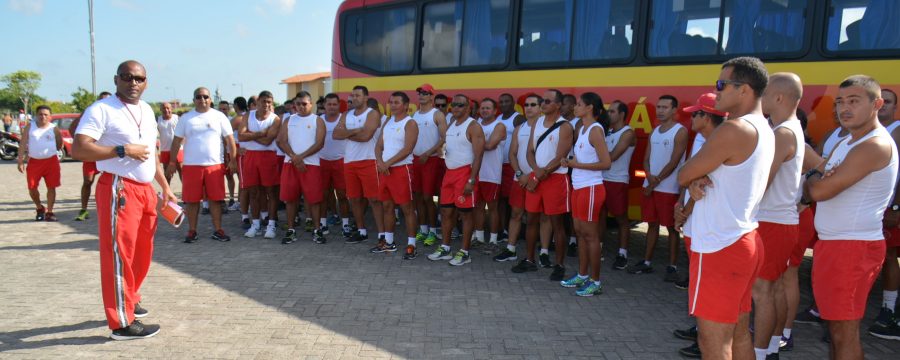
column 199, row 97
column 720, row 84
column 531, row 104
column 440, row 105
column 458, row 105
column 135, row 78
column 697, row 113
column 424, row 93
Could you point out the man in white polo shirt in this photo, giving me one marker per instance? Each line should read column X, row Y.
column 202, row 131
column 120, row 135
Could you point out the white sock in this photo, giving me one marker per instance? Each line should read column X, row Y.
column 464, row 251
column 479, row 235
column 205, row 204
column 255, row 223
column 345, row 221
column 596, row 282
column 436, row 230
column 423, row 229
column 493, row 238
column 511, row 248
column 544, row 251
column 263, row 214
column 787, row 333
column 572, row 240
column 308, row 219
column 890, row 299
column 244, row 216
column 396, row 213
column 389, row 237
column 445, row 247
column 623, row 252
column 411, row 241
column 647, row 262
column 774, row 343
column 760, row 353
column 363, row 232
column 582, row 276
column 271, row 223
column 323, row 222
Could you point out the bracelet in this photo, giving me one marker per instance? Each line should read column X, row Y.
column 812, row 172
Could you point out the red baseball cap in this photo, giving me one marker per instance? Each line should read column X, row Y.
column 426, row 87
column 705, row 103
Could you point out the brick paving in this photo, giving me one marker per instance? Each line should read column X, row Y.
column 256, row 298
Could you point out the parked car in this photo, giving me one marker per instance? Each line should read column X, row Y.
column 63, row 122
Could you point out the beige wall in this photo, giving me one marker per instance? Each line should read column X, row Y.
column 316, row 88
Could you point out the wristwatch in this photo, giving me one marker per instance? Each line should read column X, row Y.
column 472, row 181
column 895, row 207
column 812, row 172
column 519, row 173
column 120, row 151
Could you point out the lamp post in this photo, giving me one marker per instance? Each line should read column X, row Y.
column 93, row 61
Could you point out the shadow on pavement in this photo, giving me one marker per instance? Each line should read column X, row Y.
column 17, row 340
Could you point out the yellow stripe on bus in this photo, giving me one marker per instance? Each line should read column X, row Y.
column 812, row 73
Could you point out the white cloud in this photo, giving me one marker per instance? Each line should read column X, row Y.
column 28, row 7
column 286, row 6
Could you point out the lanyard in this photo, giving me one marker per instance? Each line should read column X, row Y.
column 134, row 118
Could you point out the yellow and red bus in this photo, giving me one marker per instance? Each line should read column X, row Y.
column 628, row 50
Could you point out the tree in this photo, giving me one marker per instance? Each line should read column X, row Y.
column 56, row 107
column 22, row 84
column 82, row 98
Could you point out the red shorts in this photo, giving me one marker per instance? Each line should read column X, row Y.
column 427, row 176
column 517, row 196
column 659, row 207
column 551, row 196
column 842, row 275
column 47, row 169
column 617, row 198
column 806, row 232
column 396, row 186
column 506, row 180
column 721, row 282
column 361, row 179
column 488, row 191
column 200, row 181
column 165, row 157
column 293, row 182
column 89, row 168
column 452, row 187
column 259, row 168
column 587, row 201
column 778, row 241
column 332, row 174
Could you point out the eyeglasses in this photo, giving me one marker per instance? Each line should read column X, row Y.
column 531, row 104
column 440, row 105
column 697, row 113
column 199, row 97
column 424, row 93
column 458, row 105
column 720, row 84
column 135, row 78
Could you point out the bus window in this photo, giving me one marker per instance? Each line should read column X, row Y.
column 545, row 31
column 684, row 28
column 465, row 32
column 764, row 26
column 381, row 40
column 602, row 29
column 863, row 25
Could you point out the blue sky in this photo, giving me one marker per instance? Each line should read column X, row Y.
column 183, row 44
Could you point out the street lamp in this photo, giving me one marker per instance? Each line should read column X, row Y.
column 241, row 85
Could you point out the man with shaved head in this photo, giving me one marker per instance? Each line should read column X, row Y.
column 120, row 135
column 778, row 217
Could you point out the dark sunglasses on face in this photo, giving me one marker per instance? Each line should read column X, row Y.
column 440, row 105
column 458, row 105
column 129, row 78
column 531, row 104
column 720, row 84
column 424, row 93
column 199, row 97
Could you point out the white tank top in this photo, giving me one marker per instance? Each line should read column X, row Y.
column 41, row 142
column 458, row 149
column 254, row 125
column 699, row 140
column 522, row 138
column 301, row 133
column 585, row 153
column 510, row 128
column 333, row 149
column 890, row 128
column 428, row 132
column 547, row 151
column 619, row 170
column 166, row 130
column 779, row 204
column 395, row 138
column 355, row 150
column 729, row 208
column 856, row 213
column 661, row 147
column 492, row 160
column 832, row 141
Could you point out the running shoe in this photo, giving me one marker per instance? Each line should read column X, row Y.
column 787, row 344
column 83, row 215
column 431, row 239
column 356, row 238
column 640, row 268
column 348, row 231
column 191, row 237
column 411, row 253
column 380, row 247
column 890, row 332
column 572, row 250
column 270, row 232
column 324, row 230
column 309, row 227
column 440, row 254
column 505, row 255
column 289, row 237
column 333, row 220
column 620, row 263
column 40, row 214
column 884, row 319
column 234, row 205
column 682, row 284
column 246, row 224
column 559, row 273
column 204, row 211
column 590, row 288
column 808, row 316
column 420, row 236
column 692, row 351
column 524, row 266
column 544, row 261
column 252, row 231
column 319, row 237
column 460, row 259
column 574, row 282
column 220, row 236
column 136, row 330
column 687, row 334
column 671, row 274
column 50, row 216
column 139, row 311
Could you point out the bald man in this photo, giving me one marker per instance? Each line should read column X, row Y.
column 778, row 217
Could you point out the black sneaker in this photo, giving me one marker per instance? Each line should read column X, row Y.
column 505, row 255
column 671, row 274
column 885, row 318
column 621, row 262
column 558, row 274
column 524, row 266
column 245, row 224
column 39, row 216
column 890, row 332
column 640, row 268
column 808, row 316
column 324, row 230
column 139, row 311
column 688, row 334
column 787, row 344
column 683, row 284
column 136, row 330
column 356, row 238
column 348, row 231
column 544, row 261
column 204, row 211
column 411, row 253
column 692, row 351
column 289, row 237
column 572, row 250
column 220, row 236
column 191, row 237
column 319, row 237
column 381, row 247
column 773, row 356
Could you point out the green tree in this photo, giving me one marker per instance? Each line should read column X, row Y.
column 22, row 84
column 82, row 98
column 57, row 107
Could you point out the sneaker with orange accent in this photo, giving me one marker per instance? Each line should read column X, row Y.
column 411, row 253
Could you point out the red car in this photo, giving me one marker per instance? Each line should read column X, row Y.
column 63, row 122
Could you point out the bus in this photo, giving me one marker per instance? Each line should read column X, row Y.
column 628, row 50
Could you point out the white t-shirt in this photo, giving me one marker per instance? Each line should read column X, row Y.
column 109, row 123
column 333, row 149
column 166, row 131
column 202, row 134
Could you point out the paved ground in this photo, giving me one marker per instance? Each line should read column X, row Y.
column 260, row 299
